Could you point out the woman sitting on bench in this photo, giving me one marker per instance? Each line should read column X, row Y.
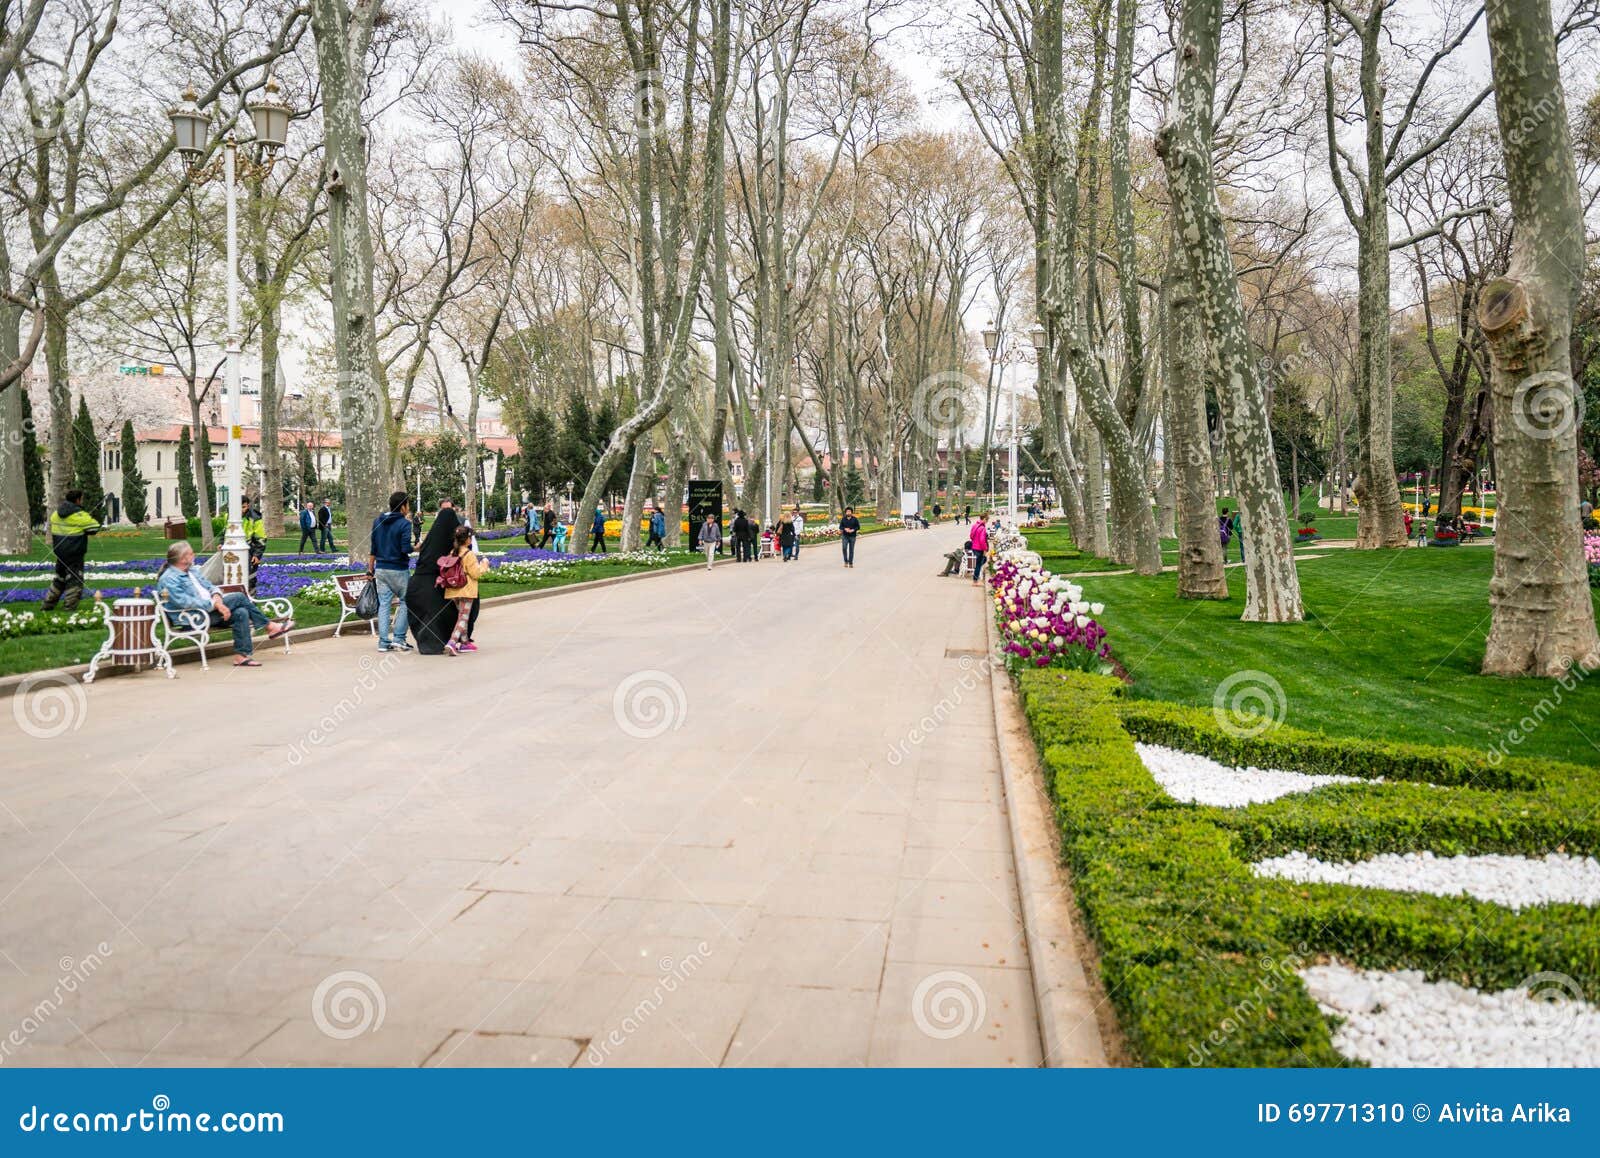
column 185, row 589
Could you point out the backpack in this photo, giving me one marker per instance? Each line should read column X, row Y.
column 451, row 572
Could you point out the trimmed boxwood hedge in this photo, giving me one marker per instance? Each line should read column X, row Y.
column 1199, row 955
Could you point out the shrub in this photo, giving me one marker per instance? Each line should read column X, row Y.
column 1200, row 956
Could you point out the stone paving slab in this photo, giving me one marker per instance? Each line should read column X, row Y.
column 751, row 817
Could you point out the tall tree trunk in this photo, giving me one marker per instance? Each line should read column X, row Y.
column 201, row 466
column 1380, row 520
column 1200, row 563
column 641, row 488
column 271, row 457
column 57, row 377
column 677, row 484
column 1272, row 588
column 342, row 36
column 1543, row 616
column 16, row 531
column 1095, row 485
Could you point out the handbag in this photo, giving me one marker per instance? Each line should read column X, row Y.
column 367, row 601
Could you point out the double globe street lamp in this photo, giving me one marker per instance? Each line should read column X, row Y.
column 1001, row 355
column 269, row 115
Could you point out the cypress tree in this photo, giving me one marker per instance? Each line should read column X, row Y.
column 32, row 466
column 86, row 461
column 203, row 482
column 188, row 496
column 134, row 500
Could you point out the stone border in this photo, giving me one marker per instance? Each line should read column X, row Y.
column 1076, row 1025
column 10, row 684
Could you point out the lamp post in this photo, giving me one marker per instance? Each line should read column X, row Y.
column 1001, row 355
column 269, row 116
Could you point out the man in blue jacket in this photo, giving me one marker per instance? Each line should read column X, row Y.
column 389, row 567
column 308, row 529
column 597, row 531
column 658, row 528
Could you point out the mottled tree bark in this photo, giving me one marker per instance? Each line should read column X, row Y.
column 1272, row 588
column 343, row 35
column 16, row 532
column 1200, row 564
column 1543, row 616
column 641, row 488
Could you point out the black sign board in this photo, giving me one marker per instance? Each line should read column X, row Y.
column 705, row 498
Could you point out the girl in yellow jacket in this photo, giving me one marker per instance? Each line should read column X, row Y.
column 474, row 567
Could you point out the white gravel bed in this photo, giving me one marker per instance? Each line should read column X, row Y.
column 1402, row 1019
column 1201, row 780
column 1514, row 881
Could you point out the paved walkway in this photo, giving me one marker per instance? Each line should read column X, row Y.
column 746, row 818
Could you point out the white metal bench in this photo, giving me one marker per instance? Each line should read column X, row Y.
column 350, row 588
column 194, row 623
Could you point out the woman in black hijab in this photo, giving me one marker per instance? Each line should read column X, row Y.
column 432, row 616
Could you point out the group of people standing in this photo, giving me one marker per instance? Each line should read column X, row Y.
column 437, row 602
column 746, row 536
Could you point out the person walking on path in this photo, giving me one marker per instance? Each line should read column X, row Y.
column 966, row 516
column 530, row 524
column 325, row 527
column 980, row 546
column 799, row 528
column 308, row 529
column 937, row 509
column 1238, row 530
column 255, row 536
column 710, row 539
column 389, row 567
column 430, row 616
column 658, row 528
column 739, row 530
column 597, row 531
column 70, row 528
column 786, row 536
column 549, row 523
column 416, row 524
column 849, row 528
column 460, row 582
column 184, row 589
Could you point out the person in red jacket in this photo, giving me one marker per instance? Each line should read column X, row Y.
column 980, row 545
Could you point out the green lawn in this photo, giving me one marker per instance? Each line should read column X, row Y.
column 1390, row 648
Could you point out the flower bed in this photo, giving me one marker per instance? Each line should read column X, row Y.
column 16, row 624
column 1044, row 620
column 1204, row 959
